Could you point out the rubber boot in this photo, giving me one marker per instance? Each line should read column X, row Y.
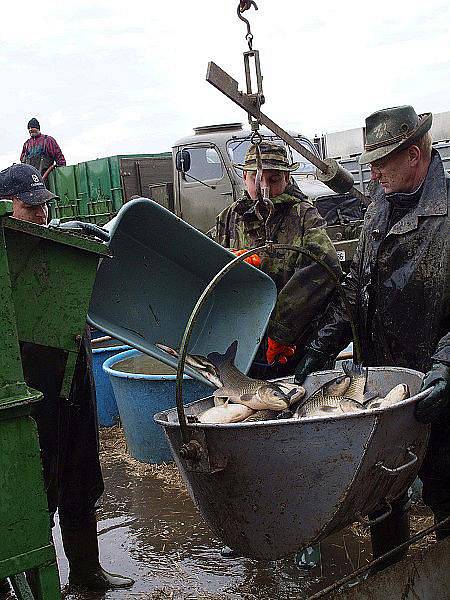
column 389, row 534
column 85, row 571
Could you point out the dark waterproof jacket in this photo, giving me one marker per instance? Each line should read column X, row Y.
column 399, row 283
column 303, row 287
column 399, row 287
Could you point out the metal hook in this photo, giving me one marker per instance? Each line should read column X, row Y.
column 256, row 137
column 259, row 172
column 249, row 35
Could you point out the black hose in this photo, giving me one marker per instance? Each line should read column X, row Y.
column 87, row 228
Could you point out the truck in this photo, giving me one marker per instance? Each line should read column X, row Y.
column 198, row 178
column 196, row 181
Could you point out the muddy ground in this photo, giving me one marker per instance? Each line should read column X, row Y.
column 150, row 530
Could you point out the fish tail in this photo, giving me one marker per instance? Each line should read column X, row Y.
column 352, row 369
column 218, row 359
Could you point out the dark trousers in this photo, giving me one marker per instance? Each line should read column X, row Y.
column 436, row 494
column 68, row 432
column 435, row 475
column 391, row 532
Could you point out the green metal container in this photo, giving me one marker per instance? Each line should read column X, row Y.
column 95, row 190
column 46, row 279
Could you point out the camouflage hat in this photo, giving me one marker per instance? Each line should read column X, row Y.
column 392, row 129
column 273, row 156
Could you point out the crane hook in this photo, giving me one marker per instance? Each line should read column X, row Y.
column 242, row 6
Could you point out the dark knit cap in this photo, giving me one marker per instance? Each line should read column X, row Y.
column 33, row 123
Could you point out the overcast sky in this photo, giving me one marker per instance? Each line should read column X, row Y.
column 114, row 77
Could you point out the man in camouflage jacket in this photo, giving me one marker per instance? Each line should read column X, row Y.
column 303, row 286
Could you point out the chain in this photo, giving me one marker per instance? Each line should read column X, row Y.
column 263, row 205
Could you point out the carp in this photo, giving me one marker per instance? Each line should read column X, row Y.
column 358, row 380
column 330, row 399
column 234, row 386
column 254, row 393
column 225, row 413
column 397, row 394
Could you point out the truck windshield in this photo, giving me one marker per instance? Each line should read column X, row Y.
column 238, row 148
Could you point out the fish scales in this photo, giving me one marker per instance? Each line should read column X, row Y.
column 235, row 386
column 329, row 395
column 358, row 380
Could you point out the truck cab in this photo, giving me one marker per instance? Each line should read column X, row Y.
column 205, row 180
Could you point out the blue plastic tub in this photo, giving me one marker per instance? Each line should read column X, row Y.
column 107, row 411
column 143, row 386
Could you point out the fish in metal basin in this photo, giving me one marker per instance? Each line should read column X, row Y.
column 196, row 362
column 358, row 380
column 262, row 415
column 254, row 393
column 236, row 387
column 225, row 413
column 397, row 394
column 330, row 399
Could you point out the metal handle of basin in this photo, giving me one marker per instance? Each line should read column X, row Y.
column 189, row 448
column 394, row 471
column 368, row 522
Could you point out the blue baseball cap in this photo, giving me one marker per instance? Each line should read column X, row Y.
column 24, row 182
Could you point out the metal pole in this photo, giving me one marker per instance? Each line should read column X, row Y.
column 229, row 87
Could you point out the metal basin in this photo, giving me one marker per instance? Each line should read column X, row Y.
column 277, row 486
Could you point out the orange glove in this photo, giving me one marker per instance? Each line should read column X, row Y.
column 253, row 259
column 277, row 352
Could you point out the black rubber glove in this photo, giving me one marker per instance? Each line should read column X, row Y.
column 312, row 361
column 437, row 405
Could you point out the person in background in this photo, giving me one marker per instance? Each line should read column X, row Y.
column 41, row 151
column 67, row 427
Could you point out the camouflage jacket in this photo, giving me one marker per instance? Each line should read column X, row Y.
column 304, row 287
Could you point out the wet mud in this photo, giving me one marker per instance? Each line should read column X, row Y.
column 150, row 530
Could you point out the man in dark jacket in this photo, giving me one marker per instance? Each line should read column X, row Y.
column 41, row 151
column 304, row 287
column 68, row 430
column 399, row 289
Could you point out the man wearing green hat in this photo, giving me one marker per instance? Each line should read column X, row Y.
column 304, row 287
column 399, row 288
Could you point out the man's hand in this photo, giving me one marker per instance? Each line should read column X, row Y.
column 436, row 406
column 277, row 352
column 311, row 362
column 253, row 259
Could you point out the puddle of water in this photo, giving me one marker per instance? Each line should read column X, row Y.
column 150, row 530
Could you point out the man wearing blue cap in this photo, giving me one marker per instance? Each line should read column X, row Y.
column 68, row 429
column 25, row 186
